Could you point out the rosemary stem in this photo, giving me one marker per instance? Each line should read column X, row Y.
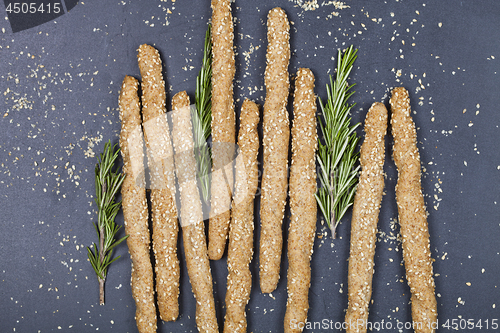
column 202, row 127
column 336, row 152
column 101, row 291
column 332, row 224
column 101, row 243
column 107, row 185
column 101, row 258
column 332, row 207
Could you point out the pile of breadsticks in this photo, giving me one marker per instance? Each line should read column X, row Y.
column 160, row 146
column 170, row 155
column 411, row 210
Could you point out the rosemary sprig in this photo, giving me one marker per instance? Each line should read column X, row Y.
column 107, row 184
column 337, row 157
column 202, row 118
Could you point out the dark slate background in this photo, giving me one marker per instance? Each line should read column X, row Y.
column 59, row 85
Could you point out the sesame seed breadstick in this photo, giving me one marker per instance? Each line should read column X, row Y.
column 276, row 138
column 364, row 220
column 412, row 214
column 240, row 248
column 303, row 205
column 161, row 167
column 223, row 126
column 193, row 228
column 135, row 208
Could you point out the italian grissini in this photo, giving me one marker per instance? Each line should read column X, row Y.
column 303, row 207
column 135, row 207
column 364, row 220
column 223, row 126
column 276, row 138
column 193, row 228
column 161, row 167
column 240, row 248
column 412, row 214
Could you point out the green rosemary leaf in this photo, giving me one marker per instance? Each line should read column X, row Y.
column 203, row 118
column 337, row 156
column 107, row 183
column 117, row 242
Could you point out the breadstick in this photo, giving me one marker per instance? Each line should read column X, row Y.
column 161, row 167
column 303, row 205
column 412, row 214
column 276, row 138
column 193, row 228
column 135, row 208
column 240, row 248
column 223, row 126
column 364, row 220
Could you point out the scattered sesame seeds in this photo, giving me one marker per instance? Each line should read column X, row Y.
column 42, row 174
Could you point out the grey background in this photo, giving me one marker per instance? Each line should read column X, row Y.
column 59, row 86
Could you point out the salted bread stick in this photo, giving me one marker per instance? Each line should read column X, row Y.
column 135, row 207
column 276, row 138
column 161, row 167
column 364, row 220
column 223, row 127
column 193, row 228
column 412, row 214
column 240, row 248
column 303, row 207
